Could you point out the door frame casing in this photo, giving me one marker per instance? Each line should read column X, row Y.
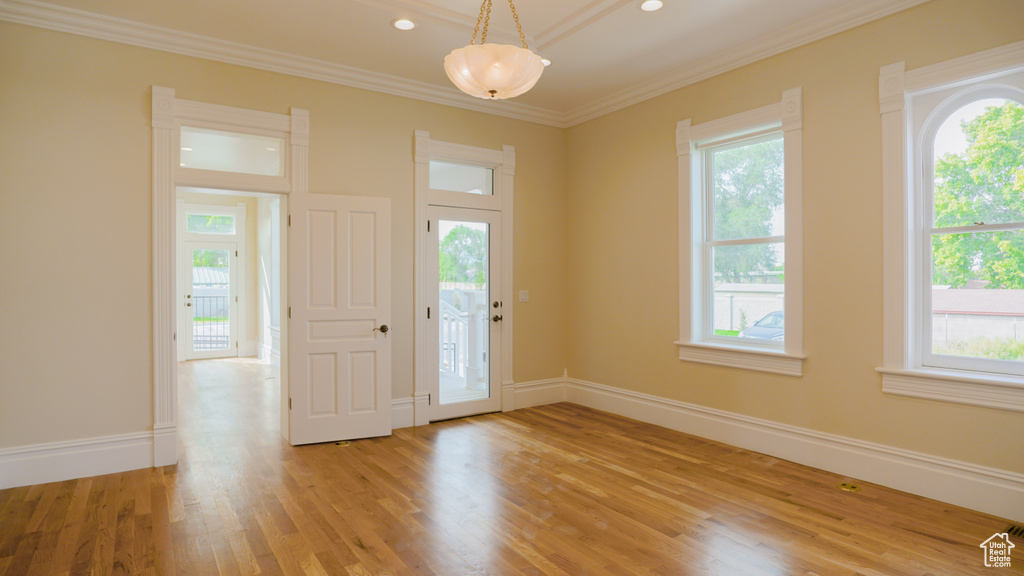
column 168, row 115
column 504, row 164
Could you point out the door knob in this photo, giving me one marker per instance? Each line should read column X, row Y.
column 383, row 329
column 188, row 304
column 496, row 318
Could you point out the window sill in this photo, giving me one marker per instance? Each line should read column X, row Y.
column 960, row 387
column 776, row 362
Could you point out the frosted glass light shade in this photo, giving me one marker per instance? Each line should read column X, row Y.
column 493, row 71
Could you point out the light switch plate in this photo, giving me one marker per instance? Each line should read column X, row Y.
column 524, row 295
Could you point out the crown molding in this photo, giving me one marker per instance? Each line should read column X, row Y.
column 72, row 21
column 42, row 15
column 799, row 34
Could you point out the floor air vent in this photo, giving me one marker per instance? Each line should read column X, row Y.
column 1016, row 531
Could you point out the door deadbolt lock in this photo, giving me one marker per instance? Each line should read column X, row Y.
column 496, row 318
column 496, row 304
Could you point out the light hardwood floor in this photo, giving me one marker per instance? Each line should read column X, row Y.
column 556, row 490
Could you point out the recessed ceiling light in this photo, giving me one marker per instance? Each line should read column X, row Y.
column 545, row 61
column 271, row 149
column 403, row 24
column 185, row 149
column 651, row 5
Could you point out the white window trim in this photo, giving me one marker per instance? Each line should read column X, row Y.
column 902, row 372
column 785, row 117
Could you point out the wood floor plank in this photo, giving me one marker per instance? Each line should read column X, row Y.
column 556, row 490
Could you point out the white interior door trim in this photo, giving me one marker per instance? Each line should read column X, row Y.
column 167, row 114
column 504, row 164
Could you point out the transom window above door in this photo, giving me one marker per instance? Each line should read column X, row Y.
column 210, row 223
column 206, row 149
column 461, row 178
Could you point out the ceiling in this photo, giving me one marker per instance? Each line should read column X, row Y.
column 606, row 54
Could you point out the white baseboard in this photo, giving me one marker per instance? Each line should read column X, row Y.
column 402, row 413
column 59, row 461
column 989, row 490
column 249, row 348
column 539, row 392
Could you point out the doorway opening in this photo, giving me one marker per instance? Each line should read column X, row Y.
column 463, row 279
column 229, row 297
column 464, row 251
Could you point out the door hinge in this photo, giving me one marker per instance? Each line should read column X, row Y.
column 289, row 219
column 175, row 336
column 236, row 253
column 428, row 312
column 428, row 225
column 236, row 345
column 289, row 312
column 430, row 401
column 289, row 403
column 236, row 298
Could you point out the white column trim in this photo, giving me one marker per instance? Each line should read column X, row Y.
column 165, row 389
column 421, row 183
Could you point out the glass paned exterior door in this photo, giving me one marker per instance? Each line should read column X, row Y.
column 210, row 301
column 467, row 312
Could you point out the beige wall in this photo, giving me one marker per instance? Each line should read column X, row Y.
column 623, row 230
column 75, row 212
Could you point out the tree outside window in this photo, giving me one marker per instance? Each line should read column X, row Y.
column 977, row 238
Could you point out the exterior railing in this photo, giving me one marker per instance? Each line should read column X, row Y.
column 211, row 326
column 454, row 340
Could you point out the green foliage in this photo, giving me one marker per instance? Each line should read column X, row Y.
column 749, row 188
column 743, row 321
column 993, row 348
column 463, row 256
column 984, row 184
column 727, row 332
column 211, row 224
column 210, row 258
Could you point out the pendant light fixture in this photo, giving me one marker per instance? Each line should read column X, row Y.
column 493, row 71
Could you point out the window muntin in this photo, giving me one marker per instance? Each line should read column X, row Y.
column 744, row 189
column 464, row 178
column 972, row 243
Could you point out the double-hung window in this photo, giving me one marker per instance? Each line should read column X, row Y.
column 740, row 240
column 954, row 191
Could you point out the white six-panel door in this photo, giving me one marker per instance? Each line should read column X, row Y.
column 340, row 307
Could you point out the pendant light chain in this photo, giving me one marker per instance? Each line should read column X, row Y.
column 485, row 17
column 487, row 22
column 479, row 19
column 520, row 28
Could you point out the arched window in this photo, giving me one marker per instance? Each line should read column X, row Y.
column 972, row 233
column 953, row 193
